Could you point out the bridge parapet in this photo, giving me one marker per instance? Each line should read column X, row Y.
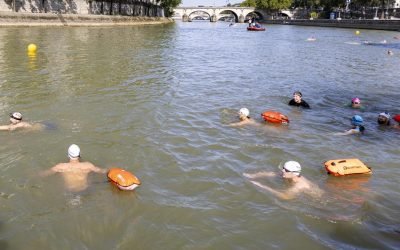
column 215, row 13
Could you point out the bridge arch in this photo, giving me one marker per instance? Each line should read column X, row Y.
column 199, row 13
column 228, row 12
column 215, row 13
column 257, row 14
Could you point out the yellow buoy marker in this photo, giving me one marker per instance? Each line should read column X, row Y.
column 32, row 48
column 357, row 32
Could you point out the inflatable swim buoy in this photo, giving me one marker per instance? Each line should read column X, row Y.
column 123, row 179
column 396, row 118
column 343, row 167
column 275, row 117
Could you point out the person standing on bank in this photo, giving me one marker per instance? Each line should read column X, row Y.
column 298, row 101
column 74, row 172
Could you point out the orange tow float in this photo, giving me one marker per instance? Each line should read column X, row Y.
column 123, row 179
column 342, row 167
column 275, row 117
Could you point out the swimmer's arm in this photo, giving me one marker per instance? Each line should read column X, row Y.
column 50, row 171
column 259, row 174
column 282, row 195
column 98, row 170
column 5, row 127
column 237, row 124
column 348, row 132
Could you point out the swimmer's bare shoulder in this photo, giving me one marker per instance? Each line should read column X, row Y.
column 245, row 122
column 91, row 167
column 308, row 187
column 59, row 168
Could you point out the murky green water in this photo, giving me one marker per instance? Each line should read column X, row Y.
column 156, row 100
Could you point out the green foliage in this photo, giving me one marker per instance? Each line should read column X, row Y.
column 314, row 14
column 273, row 4
column 248, row 3
column 327, row 4
column 168, row 5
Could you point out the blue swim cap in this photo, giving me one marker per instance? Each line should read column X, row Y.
column 356, row 120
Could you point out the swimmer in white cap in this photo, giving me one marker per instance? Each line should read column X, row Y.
column 244, row 116
column 291, row 172
column 384, row 119
column 74, row 172
column 17, row 123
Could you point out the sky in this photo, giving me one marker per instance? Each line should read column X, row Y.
column 191, row 3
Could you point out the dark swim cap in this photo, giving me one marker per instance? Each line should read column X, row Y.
column 297, row 93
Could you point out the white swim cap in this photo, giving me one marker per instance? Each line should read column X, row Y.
column 385, row 114
column 16, row 116
column 292, row 166
column 244, row 111
column 74, row 151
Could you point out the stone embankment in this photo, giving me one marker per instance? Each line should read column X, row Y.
column 393, row 25
column 8, row 19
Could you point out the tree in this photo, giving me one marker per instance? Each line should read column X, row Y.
column 248, row 3
column 168, row 5
column 273, row 4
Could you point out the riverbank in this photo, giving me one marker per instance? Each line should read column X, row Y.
column 393, row 25
column 8, row 19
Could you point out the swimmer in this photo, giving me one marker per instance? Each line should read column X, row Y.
column 356, row 103
column 297, row 101
column 390, row 53
column 291, row 172
column 311, row 39
column 357, row 127
column 74, row 172
column 244, row 118
column 384, row 119
column 17, row 123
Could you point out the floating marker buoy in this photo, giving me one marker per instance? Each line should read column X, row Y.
column 343, row 167
column 123, row 179
column 357, row 32
column 32, row 48
column 275, row 117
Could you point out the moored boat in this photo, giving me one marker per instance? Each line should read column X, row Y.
column 254, row 28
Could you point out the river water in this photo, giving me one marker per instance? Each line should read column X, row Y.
column 157, row 101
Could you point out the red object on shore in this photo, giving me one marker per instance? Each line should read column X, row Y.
column 253, row 28
column 275, row 117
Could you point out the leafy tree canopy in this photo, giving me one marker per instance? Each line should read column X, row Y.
column 248, row 3
column 273, row 4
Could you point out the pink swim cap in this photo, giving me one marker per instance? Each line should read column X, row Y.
column 356, row 100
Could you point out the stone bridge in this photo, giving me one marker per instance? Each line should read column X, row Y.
column 215, row 13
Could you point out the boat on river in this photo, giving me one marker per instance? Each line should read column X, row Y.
column 254, row 28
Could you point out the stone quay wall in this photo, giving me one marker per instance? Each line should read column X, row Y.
column 104, row 7
column 10, row 19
